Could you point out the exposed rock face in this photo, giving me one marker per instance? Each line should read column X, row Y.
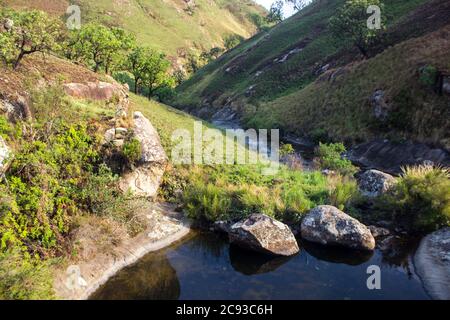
column 264, row 234
column 374, row 183
column 379, row 232
column 328, row 225
column 389, row 157
column 144, row 180
column 16, row 109
column 4, row 154
column 99, row 91
column 379, row 105
column 432, row 261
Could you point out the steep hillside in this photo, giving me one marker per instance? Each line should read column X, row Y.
column 172, row 26
column 265, row 80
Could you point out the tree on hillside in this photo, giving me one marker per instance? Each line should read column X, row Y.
column 26, row 32
column 298, row 4
column 155, row 70
column 212, row 54
column 351, row 24
column 276, row 12
column 136, row 66
column 99, row 47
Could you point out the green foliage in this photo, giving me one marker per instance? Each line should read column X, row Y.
column 276, row 12
column 428, row 75
column 343, row 193
column 24, row 278
column 5, row 127
column 150, row 69
column 99, row 47
column 232, row 41
column 31, row 31
column 330, row 157
column 420, row 201
column 234, row 192
column 350, row 22
column 286, row 149
column 132, row 151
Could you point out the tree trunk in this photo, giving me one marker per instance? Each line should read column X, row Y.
column 19, row 58
column 362, row 50
column 136, row 86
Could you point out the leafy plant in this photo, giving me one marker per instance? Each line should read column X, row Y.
column 330, row 157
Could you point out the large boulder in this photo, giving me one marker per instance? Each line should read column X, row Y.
column 264, row 234
column 374, row 183
column 328, row 225
column 101, row 91
column 4, row 154
column 145, row 179
column 432, row 262
column 16, row 108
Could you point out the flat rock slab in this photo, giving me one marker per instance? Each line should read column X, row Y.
column 96, row 263
column 432, row 261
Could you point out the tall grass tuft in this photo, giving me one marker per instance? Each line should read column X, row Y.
column 420, row 201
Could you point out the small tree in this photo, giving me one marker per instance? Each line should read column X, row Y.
column 26, row 32
column 99, row 46
column 154, row 70
column 276, row 12
column 136, row 66
column 350, row 23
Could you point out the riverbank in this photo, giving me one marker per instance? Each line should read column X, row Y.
column 96, row 262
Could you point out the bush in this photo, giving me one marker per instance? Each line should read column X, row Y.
column 132, row 151
column 420, row 201
column 330, row 157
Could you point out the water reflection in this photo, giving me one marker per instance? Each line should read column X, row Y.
column 205, row 266
column 152, row 278
column 251, row 263
column 337, row 255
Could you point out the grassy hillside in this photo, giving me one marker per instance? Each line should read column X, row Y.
column 266, row 78
column 165, row 25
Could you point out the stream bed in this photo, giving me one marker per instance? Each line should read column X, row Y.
column 205, row 266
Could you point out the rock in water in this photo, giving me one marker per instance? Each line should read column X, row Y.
column 432, row 262
column 328, row 225
column 145, row 179
column 264, row 234
column 4, row 154
column 374, row 183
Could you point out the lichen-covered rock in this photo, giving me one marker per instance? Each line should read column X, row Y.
column 145, row 179
column 264, row 234
column 4, row 154
column 432, row 261
column 328, row 225
column 379, row 105
column 374, row 183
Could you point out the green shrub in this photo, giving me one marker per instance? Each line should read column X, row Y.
column 420, row 201
column 428, row 75
column 132, row 151
column 24, row 278
column 5, row 127
column 330, row 157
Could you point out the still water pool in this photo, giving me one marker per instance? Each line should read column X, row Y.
column 205, row 266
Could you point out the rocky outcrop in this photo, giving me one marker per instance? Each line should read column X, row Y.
column 145, row 179
column 388, row 156
column 264, row 234
column 328, row 225
column 432, row 261
column 374, row 183
column 104, row 91
column 380, row 105
column 4, row 154
column 16, row 109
